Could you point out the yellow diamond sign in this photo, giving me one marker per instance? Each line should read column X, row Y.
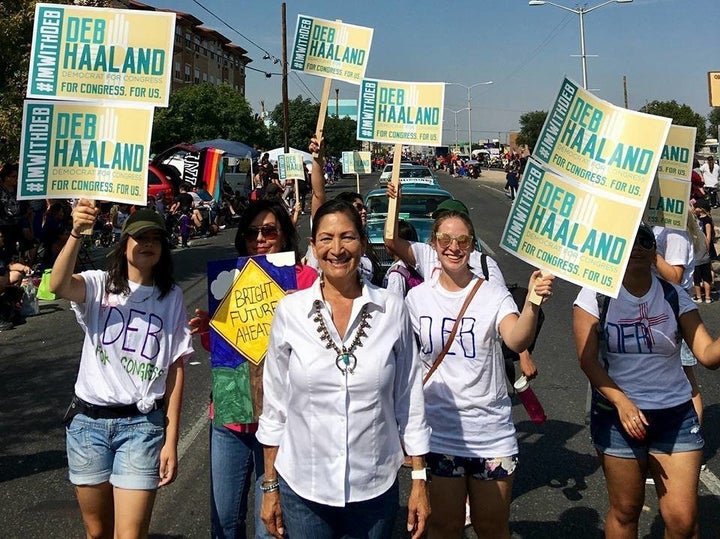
column 244, row 315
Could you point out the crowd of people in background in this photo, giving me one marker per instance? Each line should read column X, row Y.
column 418, row 400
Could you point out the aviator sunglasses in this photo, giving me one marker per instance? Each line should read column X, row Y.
column 444, row 240
column 269, row 232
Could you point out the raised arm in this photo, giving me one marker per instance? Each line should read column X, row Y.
column 398, row 246
column 317, row 178
column 62, row 280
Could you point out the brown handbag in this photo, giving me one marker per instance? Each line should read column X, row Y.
column 451, row 338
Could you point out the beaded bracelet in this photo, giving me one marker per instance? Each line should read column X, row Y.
column 76, row 237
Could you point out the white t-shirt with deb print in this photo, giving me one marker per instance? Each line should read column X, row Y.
column 466, row 401
column 643, row 342
column 130, row 342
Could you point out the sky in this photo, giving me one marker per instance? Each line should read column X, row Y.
column 664, row 48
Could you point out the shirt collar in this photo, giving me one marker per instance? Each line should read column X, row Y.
column 371, row 294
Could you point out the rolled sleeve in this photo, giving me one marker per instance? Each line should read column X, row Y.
column 409, row 399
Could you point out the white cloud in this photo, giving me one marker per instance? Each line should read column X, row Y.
column 222, row 283
column 281, row 260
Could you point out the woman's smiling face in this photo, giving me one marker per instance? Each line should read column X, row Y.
column 338, row 246
column 447, row 240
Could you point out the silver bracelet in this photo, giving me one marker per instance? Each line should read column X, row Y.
column 272, row 487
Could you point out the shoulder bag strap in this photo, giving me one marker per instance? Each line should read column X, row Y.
column 451, row 338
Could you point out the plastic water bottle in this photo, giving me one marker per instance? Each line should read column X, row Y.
column 529, row 400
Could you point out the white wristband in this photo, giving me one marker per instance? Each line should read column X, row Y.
column 419, row 474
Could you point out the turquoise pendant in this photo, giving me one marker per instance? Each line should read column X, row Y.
column 346, row 362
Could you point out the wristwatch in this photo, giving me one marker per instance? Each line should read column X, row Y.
column 419, row 474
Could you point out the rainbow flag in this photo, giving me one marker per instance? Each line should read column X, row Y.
column 213, row 171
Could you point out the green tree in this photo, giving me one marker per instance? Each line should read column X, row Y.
column 530, row 126
column 16, row 25
column 339, row 133
column 206, row 111
column 303, row 115
column 680, row 115
column 714, row 120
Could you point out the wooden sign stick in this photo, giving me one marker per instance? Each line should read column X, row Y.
column 390, row 224
column 532, row 296
column 323, row 111
column 297, row 189
column 357, row 182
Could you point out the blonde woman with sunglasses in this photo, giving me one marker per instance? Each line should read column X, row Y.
column 473, row 448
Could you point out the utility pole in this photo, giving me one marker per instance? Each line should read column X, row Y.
column 286, row 110
column 625, row 90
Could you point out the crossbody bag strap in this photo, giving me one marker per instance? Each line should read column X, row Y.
column 451, row 338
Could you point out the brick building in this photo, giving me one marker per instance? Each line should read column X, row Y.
column 200, row 54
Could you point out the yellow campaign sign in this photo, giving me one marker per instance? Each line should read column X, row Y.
column 396, row 112
column 331, row 49
column 600, row 145
column 580, row 235
column 245, row 313
column 356, row 162
column 670, row 194
column 89, row 150
column 83, row 53
column 714, row 88
column 668, row 203
column 291, row 166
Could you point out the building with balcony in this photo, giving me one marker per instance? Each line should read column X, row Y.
column 200, row 54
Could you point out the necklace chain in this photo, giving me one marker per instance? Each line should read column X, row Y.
column 345, row 360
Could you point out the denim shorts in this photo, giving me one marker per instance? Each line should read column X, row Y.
column 124, row 451
column 486, row 469
column 671, row 430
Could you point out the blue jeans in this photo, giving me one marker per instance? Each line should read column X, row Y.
column 369, row 519
column 233, row 457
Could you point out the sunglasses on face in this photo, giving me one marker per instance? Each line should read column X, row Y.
column 269, row 232
column 444, row 240
column 645, row 243
column 359, row 206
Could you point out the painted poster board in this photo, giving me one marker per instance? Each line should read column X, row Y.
column 90, row 54
column 242, row 296
column 331, row 49
column 84, row 150
column 395, row 112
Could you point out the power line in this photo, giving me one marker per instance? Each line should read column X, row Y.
column 234, row 29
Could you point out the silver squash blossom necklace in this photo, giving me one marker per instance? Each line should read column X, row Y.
column 345, row 361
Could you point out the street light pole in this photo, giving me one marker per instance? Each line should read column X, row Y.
column 580, row 12
column 469, row 107
column 455, row 113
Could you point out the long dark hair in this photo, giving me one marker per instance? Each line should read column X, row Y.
column 283, row 218
column 162, row 272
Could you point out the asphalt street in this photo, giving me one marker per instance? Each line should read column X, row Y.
column 559, row 490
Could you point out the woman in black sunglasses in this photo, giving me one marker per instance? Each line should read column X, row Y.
column 642, row 416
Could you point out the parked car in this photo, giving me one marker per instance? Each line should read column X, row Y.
column 163, row 173
column 410, row 174
column 416, row 206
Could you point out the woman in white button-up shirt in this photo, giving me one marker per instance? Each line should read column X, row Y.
column 342, row 397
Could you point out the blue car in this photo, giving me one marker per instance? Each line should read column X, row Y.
column 416, row 206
